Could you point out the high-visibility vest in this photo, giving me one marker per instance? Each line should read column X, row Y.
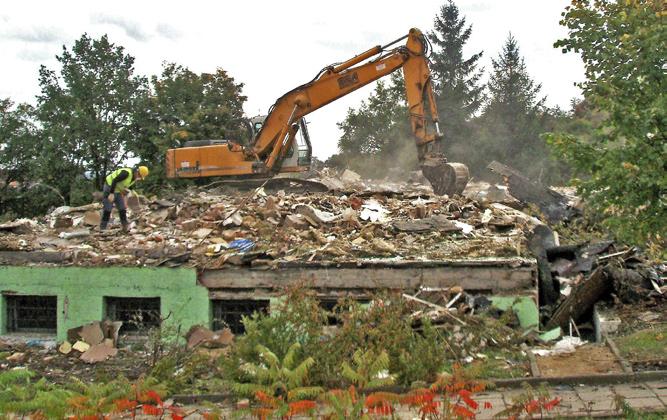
column 124, row 184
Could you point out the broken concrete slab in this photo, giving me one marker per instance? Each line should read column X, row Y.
column 92, row 218
column 19, row 226
column 91, row 333
column 199, row 335
column 98, row 353
column 350, row 177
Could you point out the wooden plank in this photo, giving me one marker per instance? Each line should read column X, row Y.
column 474, row 278
column 581, row 299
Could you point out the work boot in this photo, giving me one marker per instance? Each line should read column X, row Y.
column 106, row 215
column 123, row 220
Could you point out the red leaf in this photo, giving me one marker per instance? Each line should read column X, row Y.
column 152, row 395
column 152, row 410
column 125, row 405
column 532, row 406
column 487, row 405
column 463, row 412
column 299, row 407
column 551, row 404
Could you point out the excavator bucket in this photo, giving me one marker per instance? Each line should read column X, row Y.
column 445, row 178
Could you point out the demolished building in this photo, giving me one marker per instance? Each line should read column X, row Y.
column 210, row 257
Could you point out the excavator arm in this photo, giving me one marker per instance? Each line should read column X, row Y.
column 277, row 134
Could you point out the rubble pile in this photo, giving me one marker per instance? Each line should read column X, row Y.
column 217, row 227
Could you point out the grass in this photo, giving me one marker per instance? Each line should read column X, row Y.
column 646, row 344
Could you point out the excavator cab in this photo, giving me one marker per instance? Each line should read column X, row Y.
column 299, row 155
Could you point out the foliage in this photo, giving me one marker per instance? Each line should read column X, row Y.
column 20, row 395
column 385, row 326
column 622, row 169
column 87, row 113
column 285, row 378
column 184, row 106
column 18, row 148
column 277, row 407
column 369, row 371
column 378, row 131
column 456, row 79
column 531, row 403
column 514, row 117
column 382, row 326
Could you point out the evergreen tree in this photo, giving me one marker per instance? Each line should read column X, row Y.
column 513, row 119
column 456, row 80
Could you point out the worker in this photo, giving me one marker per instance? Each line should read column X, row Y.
column 115, row 189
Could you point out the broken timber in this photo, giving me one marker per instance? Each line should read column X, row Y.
column 554, row 205
column 498, row 276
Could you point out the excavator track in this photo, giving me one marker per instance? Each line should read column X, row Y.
column 445, row 178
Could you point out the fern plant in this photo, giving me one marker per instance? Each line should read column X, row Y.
column 369, row 370
column 20, row 396
column 284, row 378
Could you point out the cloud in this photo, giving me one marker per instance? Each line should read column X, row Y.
column 131, row 28
column 35, row 55
column 167, row 31
column 36, row 34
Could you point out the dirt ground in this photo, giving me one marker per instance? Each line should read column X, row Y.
column 589, row 359
column 59, row 368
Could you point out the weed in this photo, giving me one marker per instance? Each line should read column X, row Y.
column 530, row 403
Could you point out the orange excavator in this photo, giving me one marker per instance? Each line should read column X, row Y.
column 272, row 146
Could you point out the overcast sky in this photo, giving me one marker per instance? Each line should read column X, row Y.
column 273, row 46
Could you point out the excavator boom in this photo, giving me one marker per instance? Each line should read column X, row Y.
column 276, row 137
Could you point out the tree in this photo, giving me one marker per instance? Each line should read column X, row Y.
column 185, row 106
column 379, row 130
column 510, row 126
column 88, row 113
column 18, row 149
column 622, row 170
column 456, row 80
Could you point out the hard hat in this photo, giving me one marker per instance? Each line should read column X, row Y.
column 143, row 171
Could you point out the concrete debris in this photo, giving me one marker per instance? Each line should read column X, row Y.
column 98, row 353
column 19, row 226
column 18, row 357
column 198, row 335
column 350, row 177
column 92, row 218
column 92, row 333
column 81, row 233
column 196, row 228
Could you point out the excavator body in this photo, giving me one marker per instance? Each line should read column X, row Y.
column 272, row 150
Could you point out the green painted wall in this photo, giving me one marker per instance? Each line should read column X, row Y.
column 81, row 292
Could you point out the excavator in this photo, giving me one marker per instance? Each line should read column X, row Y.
column 273, row 149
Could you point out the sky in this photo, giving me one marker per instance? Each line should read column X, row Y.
column 273, row 46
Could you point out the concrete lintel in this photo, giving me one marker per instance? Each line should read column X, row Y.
column 493, row 276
